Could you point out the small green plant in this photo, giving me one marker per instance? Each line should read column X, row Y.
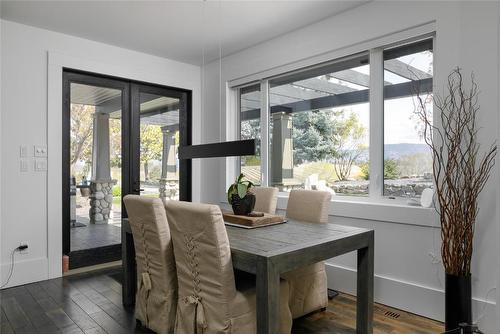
column 239, row 187
column 117, row 191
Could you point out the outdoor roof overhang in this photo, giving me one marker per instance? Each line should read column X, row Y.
column 155, row 110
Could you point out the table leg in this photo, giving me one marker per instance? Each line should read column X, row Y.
column 129, row 284
column 364, row 307
column 268, row 289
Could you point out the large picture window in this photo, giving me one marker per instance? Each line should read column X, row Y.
column 407, row 158
column 250, row 101
column 317, row 125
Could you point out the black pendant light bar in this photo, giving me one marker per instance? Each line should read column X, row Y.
column 215, row 150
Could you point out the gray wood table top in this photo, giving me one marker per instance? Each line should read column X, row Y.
column 274, row 240
column 272, row 250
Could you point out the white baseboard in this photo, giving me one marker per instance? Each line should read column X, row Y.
column 407, row 296
column 25, row 271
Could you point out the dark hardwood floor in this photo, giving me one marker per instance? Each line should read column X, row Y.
column 91, row 303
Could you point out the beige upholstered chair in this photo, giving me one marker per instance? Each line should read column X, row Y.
column 308, row 285
column 156, row 299
column 209, row 301
column 266, row 199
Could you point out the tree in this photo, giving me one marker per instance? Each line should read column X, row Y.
column 81, row 126
column 328, row 135
column 350, row 134
column 314, row 135
column 151, row 145
column 391, row 169
column 115, row 142
column 250, row 129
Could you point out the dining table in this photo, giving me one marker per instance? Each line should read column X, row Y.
column 270, row 251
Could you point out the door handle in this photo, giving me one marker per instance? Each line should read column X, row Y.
column 138, row 189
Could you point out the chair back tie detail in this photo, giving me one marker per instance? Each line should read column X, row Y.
column 200, row 320
column 144, row 290
column 146, row 280
column 157, row 285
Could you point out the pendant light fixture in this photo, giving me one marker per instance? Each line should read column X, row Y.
column 221, row 149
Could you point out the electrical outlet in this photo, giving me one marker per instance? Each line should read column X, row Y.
column 24, row 251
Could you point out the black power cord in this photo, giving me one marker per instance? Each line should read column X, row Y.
column 11, row 269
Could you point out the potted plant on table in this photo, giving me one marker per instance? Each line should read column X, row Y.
column 239, row 196
column 460, row 174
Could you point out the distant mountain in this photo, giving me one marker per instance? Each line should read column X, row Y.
column 395, row 151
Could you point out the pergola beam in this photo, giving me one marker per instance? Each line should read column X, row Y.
column 332, row 101
column 354, row 77
column 323, row 86
column 405, row 70
column 293, row 93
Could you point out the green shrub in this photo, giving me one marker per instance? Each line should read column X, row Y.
column 117, row 191
column 391, row 169
column 364, row 170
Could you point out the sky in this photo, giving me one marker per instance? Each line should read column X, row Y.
column 399, row 120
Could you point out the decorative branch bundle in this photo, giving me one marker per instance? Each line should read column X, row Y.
column 460, row 171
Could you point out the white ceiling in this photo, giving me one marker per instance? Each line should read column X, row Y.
column 174, row 29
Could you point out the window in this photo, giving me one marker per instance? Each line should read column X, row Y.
column 250, row 129
column 320, row 122
column 407, row 158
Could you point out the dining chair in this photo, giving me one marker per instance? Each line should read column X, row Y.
column 210, row 301
column 156, row 299
column 308, row 285
column 266, row 199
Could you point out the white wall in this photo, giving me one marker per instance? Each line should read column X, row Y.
column 28, row 212
column 467, row 36
column 498, row 169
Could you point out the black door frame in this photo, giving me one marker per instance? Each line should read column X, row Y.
column 130, row 136
column 184, row 133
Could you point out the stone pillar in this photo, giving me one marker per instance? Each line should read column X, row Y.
column 282, row 148
column 168, row 180
column 100, row 147
column 101, row 184
column 101, row 201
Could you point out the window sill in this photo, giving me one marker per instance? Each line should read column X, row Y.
column 386, row 210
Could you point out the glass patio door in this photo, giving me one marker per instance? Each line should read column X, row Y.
column 95, row 150
column 159, row 125
column 119, row 137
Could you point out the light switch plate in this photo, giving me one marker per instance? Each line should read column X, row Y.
column 40, row 151
column 40, row 165
column 23, row 165
column 23, row 151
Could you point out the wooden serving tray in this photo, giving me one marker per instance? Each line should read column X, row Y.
column 251, row 222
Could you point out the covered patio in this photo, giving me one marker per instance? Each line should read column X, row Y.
column 96, row 209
